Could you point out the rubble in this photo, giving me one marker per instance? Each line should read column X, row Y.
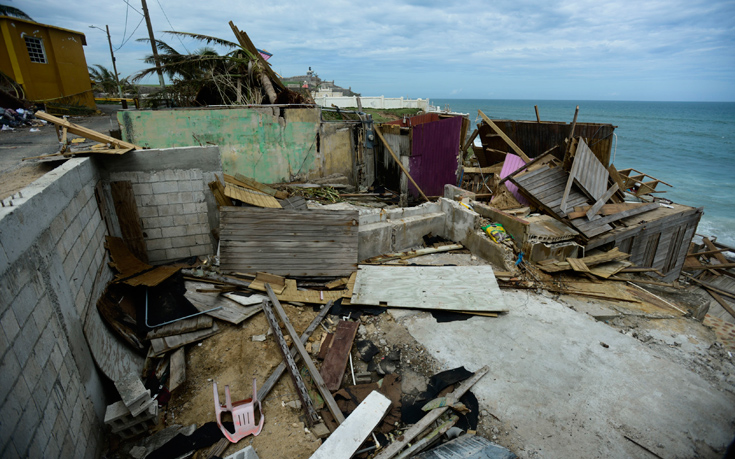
column 557, row 219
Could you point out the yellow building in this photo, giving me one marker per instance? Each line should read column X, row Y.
column 47, row 61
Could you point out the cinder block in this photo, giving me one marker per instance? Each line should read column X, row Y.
column 190, row 207
column 160, row 199
column 197, row 229
column 185, row 241
column 200, row 250
column 186, row 185
column 176, row 254
column 158, row 244
column 139, row 189
column 24, row 303
column 173, row 231
column 123, row 423
column 133, row 393
column 170, row 209
column 26, row 426
column 147, row 211
column 9, row 324
column 10, row 412
column 25, row 341
column 157, row 255
column 164, row 187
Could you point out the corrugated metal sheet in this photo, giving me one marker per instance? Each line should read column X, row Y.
column 434, row 155
column 511, row 164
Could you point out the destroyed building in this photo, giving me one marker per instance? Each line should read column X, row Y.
column 148, row 280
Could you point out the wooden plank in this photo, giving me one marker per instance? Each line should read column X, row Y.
column 315, row 375
column 278, row 283
column 606, row 270
column 344, row 441
column 127, row 215
column 415, row 430
column 177, row 369
column 85, row 132
column 505, row 138
column 578, row 265
column 251, row 197
column 335, row 362
column 398, row 161
column 269, row 383
column 289, row 242
column 160, row 346
column 247, row 182
column 182, row 326
column 218, row 190
column 600, row 202
column 325, row 345
column 620, row 215
column 429, row 287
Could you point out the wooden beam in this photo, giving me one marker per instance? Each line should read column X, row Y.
column 469, row 142
column 398, row 161
column 574, row 126
column 408, row 436
column 315, row 375
column 538, row 118
column 719, row 266
column 85, row 132
column 709, row 252
column 503, row 136
column 248, row 45
column 335, row 362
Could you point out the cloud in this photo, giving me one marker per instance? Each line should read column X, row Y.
column 430, row 48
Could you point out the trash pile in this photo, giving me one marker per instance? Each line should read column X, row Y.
column 20, row 117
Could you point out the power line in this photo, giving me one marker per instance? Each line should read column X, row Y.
column 131, row 34
column 131, row 6
column 172, row 26
column 125, row 30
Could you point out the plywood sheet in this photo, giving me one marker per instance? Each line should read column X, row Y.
column 289, row 242
column 335, row 362
column 449, row 288
column 253, row 198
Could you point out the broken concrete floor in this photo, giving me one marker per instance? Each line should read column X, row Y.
column 568, row 386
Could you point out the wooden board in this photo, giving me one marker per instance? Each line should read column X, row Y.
column 177, row 368
column 127, row 215
column 588, row 172
column 607, row 209
column 344, row 441
column 182, row 326
column 448, row 288
column 335, row 362
column 251, row 197
column 230, row 311
column 162, row 345
column 247, row 182
column 84, row 132
column 289, row 242
column 133, row 271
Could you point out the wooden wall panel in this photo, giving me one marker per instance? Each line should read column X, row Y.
column 289, row 242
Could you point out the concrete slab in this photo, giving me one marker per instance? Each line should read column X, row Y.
column 575, row 387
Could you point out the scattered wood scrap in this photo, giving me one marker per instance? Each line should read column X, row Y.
column 230, row 311
column 160, row 346
column 584, row 264
column 131, row 270
column 82, row 131
column 181, row 326
column 251, row 197
column 335, row 361
column 247, row 182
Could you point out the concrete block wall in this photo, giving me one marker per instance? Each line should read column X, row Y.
column 175, row 205
column 51, row 253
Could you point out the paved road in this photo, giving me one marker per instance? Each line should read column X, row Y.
column 21, row 143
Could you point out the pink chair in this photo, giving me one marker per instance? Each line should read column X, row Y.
column 243, row 414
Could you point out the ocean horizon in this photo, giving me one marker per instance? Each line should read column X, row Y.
column 690, row 145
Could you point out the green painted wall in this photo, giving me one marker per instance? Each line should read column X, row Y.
column 256, row 142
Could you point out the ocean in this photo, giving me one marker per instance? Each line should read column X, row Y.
column 690, row 145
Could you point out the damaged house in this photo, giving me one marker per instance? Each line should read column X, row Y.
column 149, row 281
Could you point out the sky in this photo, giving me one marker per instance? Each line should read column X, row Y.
column 651, row 50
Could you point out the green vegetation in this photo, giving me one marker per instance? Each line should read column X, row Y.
column 379, row 115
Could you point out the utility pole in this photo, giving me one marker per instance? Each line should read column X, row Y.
column 114, row 65
column 153, row 44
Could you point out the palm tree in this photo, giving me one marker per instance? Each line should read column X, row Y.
column 207, row 78
column 7, row 10
column 103, row 80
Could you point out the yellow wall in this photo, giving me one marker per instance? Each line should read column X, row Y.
column 65, row 74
